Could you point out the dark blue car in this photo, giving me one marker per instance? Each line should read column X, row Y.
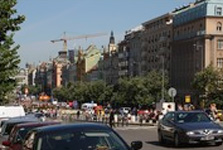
column 191, row 127
column 77, row 137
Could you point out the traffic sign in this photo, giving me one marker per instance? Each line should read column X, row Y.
column 187, row 99
column 172, row 92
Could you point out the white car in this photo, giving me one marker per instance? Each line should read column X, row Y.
column 126, row 110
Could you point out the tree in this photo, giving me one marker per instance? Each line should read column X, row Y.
column 208, row 85
column 33, row 90
column 142, row 91
column 9, row 58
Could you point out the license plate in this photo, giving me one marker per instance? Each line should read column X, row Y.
column 207, row 138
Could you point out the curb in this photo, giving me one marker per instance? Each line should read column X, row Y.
column 120, row 124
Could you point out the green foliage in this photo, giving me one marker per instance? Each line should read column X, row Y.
column 9, row 58
column 140, row 90
column 127, row 92
column 209, row 85
column 33, row 90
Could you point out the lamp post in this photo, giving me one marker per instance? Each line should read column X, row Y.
column 163, row 77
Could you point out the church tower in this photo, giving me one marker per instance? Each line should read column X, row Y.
column 111, row 45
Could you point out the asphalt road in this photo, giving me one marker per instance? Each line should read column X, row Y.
column 149, row 138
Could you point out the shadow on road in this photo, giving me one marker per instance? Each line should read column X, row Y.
column 171, row 146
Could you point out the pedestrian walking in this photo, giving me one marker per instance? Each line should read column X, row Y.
column 78, row 114
column 111, row 118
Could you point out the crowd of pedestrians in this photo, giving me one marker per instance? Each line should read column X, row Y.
column 118, row 117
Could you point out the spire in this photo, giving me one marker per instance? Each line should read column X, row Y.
column 112, row 39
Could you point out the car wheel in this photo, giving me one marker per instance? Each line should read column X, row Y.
column 218, row 143
column 160, row 138
column 176, row 140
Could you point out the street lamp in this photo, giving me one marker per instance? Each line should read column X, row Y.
column 163, row 77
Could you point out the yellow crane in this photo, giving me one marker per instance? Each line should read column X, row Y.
column 65, row 38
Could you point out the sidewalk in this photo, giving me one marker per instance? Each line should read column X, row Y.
column 117, row 124
column 70, row 119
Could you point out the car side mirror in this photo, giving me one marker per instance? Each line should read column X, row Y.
column 18, row 141
column 6, row 143
column 136, row 145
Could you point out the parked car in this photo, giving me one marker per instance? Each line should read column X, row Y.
column 126, row 110
column 19, row 131
column 76, row 136
column 9, row 124
column 189, row 127
column 143, row 112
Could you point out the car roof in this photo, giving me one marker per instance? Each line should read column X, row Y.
column 192, row 111
column 72, row 127
column 22, row 120
column 36, row 124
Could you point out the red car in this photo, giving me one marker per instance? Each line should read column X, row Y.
column 19, row 132
column 143, row 112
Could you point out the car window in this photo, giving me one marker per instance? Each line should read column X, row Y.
column 168, row 116
column 86, row 140
column 6, row 129
column 192, row 117
column 12, row 134
column 29, row 141
column 20, row 134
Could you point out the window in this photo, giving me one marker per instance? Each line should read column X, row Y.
column 219, row 26
column 220, row 62
column 220, row 44
column 29, row 141
column 219, row 11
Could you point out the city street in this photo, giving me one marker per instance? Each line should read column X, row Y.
column 149, row 138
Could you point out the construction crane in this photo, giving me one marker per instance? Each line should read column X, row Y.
column 65, row 38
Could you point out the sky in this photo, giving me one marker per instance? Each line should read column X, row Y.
column 47, row 20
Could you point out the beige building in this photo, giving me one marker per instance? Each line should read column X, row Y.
column 198, row 42
column 87, row 62
column 58, row 63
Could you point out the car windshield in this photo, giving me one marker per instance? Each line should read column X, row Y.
column 86, row 140
column 195, row 117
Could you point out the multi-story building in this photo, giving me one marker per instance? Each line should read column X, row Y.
column 87, row 61
column 31, row 74
column 108, row 64
column 58, row 63
column 123, row 58
column 134, row 37
column 22, row 77
column 156, row 44
column 69, row 73
column 198, row 42
column 40, row 77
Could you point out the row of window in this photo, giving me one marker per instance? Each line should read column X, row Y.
column 195, row 13
column 189, row 29
column 158, row 24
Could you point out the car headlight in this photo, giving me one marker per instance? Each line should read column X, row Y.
column 190, row 133
column 220, row 131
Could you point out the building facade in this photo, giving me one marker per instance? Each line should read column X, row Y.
column 198, row 42
column 87, row 61
column 134, row 38
column 58, row 63
column 156, row 44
